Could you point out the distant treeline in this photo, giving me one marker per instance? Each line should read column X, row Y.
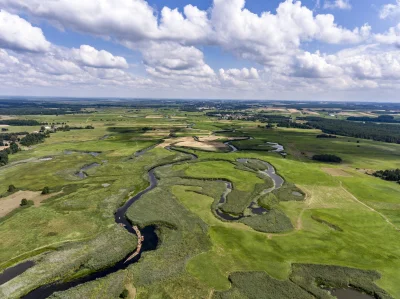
column 326, row 136
column 68, row 128
column 291, row 124
column 327, row 158
column 389, row 175
column 380, row 119
column 378, row 132
column 19, row 122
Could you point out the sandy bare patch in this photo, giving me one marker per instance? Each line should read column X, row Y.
column 157, row 133
column 13, row 201
column 336, row 172
column 310, row 112
column 294, row 111
column 210, row 143
column 154, row 116
column 273, row 109
column 4, row 117
column 3, row 126
column 366, row 171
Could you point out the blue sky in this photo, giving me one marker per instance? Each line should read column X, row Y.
column 134, row 48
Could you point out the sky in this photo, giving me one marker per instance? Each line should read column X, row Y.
column 328, row 50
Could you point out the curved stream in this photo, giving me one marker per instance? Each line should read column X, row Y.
column 255, row 209
column 150, row 243
column 150, row 237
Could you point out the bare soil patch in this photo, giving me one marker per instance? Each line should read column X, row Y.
column 336, row 172
column 157, row 133
column 210, row 143
column 154, row 116
column 13, row 201
column 4, row 117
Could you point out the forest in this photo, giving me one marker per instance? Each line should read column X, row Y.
column 377, row 132
column 380, row 119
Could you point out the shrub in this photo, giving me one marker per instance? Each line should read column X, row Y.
column 45, row 190
column 11, row 188
column 25, row 202
column 327, row 158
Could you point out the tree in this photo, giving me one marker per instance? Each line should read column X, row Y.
column 24, row 202
column 3, row 158
column 14, row 148
column 11, row 188
column 45, row 190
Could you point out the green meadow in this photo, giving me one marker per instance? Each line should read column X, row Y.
column 347, row 217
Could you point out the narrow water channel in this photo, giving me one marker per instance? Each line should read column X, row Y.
column 150, row 243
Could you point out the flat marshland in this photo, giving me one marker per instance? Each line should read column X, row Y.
column 329, row 224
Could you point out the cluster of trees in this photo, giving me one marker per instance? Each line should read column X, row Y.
column 326, row 136
column 379, row 119
column 34, row 138
column 12, row 149
column 4, row 129
column 292, row 124
column 68, row 128
column 389, row 175
column 378, row 132
column 19, row 122
column 327, row 158
column 12, row 137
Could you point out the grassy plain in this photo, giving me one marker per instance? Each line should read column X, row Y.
column 350, row 221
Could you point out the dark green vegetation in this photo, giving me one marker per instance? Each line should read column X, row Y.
column 379, row 119
column 19, row 122
column 326, row 136
column 3, row 158
column 32, row 139
column 389, row 175
column 305, row 281
column 378, row 132
column 327, row 158
column 25, row 202
column 324, row 214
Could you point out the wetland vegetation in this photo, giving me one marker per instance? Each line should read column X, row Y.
column 223, row 213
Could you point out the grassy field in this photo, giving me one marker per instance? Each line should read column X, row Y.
column 345, row 217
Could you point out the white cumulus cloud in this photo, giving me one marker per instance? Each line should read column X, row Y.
column 18, row 34
column 390, row 10
column 89, row 56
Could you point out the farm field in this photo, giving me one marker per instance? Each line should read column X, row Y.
column 217, row 221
